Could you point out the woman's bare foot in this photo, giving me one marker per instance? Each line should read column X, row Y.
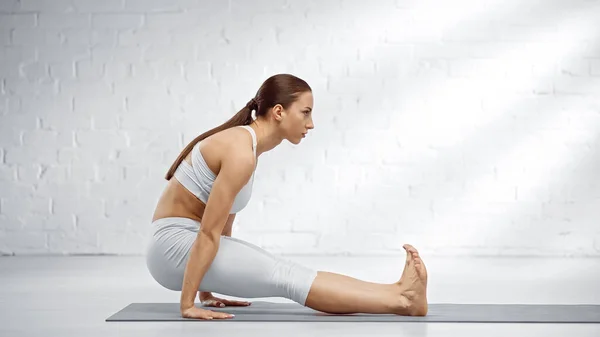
column 413, row 285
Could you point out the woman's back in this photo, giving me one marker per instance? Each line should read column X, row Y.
column 177, row 200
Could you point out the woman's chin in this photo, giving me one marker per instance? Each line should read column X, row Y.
column 295, row 141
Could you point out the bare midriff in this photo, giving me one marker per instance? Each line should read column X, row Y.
column 177, row 201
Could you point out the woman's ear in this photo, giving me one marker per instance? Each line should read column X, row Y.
column 278, row 112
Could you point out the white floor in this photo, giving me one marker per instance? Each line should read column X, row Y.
column 72, row 296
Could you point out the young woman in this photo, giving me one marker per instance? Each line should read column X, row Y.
column 192, row 250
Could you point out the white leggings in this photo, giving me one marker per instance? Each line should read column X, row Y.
column 239, row 269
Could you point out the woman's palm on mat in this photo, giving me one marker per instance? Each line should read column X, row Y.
column 194, row 312
column 208, row 300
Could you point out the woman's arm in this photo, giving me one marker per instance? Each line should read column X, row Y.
column 236, row 170
column 226, row 232
column 228, row 225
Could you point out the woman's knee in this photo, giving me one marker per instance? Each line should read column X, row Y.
column 295, row 280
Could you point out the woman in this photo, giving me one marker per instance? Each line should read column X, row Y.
column 192, row 249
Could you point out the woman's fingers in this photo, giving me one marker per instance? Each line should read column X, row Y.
column 198, row 313
column 221, row 315
column 223, row 303
column 236, row 303
column 213, row 303
column 215, row 315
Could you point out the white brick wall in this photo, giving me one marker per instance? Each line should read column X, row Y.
column 462, row 128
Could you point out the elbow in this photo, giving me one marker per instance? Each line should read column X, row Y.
column 209, row 236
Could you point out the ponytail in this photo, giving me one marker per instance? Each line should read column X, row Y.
column 243, row 117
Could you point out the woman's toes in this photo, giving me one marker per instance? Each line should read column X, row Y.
column 409, row 248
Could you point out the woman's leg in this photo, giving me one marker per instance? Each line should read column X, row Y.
column 242, row 269
column 336, row 293
column 239, row 268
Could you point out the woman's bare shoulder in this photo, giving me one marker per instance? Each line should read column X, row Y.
column 234, row 136
column 234, row 141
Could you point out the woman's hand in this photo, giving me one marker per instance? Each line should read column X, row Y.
column 193, row 312
column 208, row 300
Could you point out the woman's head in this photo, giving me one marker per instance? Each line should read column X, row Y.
column 283, row 98
column 288, row 101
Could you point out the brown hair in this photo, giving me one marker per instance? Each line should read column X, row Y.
column 281, row 89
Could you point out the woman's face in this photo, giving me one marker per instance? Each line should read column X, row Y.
column 298, row 118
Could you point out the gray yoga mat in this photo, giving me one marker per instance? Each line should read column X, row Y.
column 294, row 312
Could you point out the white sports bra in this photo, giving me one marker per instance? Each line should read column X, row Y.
column 198, row 177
